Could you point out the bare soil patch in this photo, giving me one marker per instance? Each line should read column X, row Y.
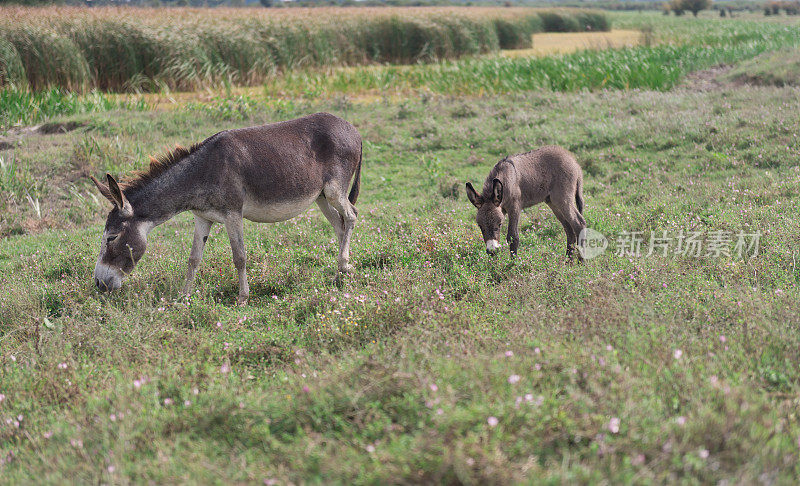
column 707, row 79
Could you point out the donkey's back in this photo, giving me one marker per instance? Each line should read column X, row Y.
column 273, row 172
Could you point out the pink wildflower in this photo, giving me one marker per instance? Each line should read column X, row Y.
column 613, row 425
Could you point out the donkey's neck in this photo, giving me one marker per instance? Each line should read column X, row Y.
column 166, row 195
column 506, row 172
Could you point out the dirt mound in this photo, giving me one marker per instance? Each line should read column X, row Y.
column 16, row 134
column 707, row 79
column 50, row 128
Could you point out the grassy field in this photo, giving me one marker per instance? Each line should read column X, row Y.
column 771, row 69
column 432, row 362
column 676, row 52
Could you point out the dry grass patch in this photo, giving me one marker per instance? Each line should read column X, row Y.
column 549, row 43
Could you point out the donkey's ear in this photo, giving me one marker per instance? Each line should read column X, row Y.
column 475, row 198
column 497, row 192
column 118, row 198
column 103, row 189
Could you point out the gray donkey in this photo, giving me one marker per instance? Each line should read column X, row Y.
column 550, row 174
column 265, row 174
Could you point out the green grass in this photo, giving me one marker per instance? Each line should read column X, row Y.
column 22, row 107
column 393, row 373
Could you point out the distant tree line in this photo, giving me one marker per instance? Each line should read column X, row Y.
column 775, row 7
column 269, row 3
column 725, row 9
column 679, row 7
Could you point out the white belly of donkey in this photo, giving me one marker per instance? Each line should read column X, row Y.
column 276, row 211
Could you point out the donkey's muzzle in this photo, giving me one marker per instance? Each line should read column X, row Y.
column 492, row 246
column 107, row 285
column 107, row 278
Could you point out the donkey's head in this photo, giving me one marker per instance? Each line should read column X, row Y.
column 490, row 215
column 124, row 239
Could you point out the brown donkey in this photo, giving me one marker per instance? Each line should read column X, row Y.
column 265, row 174
column 550, row 174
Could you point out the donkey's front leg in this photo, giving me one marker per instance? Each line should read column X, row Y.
column 202, row 227
column 234, row 224
column 513, row 230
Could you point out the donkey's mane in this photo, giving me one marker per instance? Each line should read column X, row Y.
column 158, row 165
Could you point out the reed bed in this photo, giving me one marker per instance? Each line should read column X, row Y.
column 122, row 49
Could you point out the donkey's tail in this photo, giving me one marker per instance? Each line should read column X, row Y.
column 353, row 196
column 579, row 196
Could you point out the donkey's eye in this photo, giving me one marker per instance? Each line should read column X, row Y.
column 111, row 238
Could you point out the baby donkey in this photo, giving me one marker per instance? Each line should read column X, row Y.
column 551, row 175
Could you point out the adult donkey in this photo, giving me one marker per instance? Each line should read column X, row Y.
column 265, row 174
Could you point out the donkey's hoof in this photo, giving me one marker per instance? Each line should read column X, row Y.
column 346, row 268
column 242, row 300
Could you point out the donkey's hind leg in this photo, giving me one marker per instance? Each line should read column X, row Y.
column 578, row 224
column 336, row 197
column 572, row 238
column 332, row 215
column 571, row 219
column 202, row 227
column 234, row 224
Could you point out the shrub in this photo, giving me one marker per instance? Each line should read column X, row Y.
column 559, row 22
